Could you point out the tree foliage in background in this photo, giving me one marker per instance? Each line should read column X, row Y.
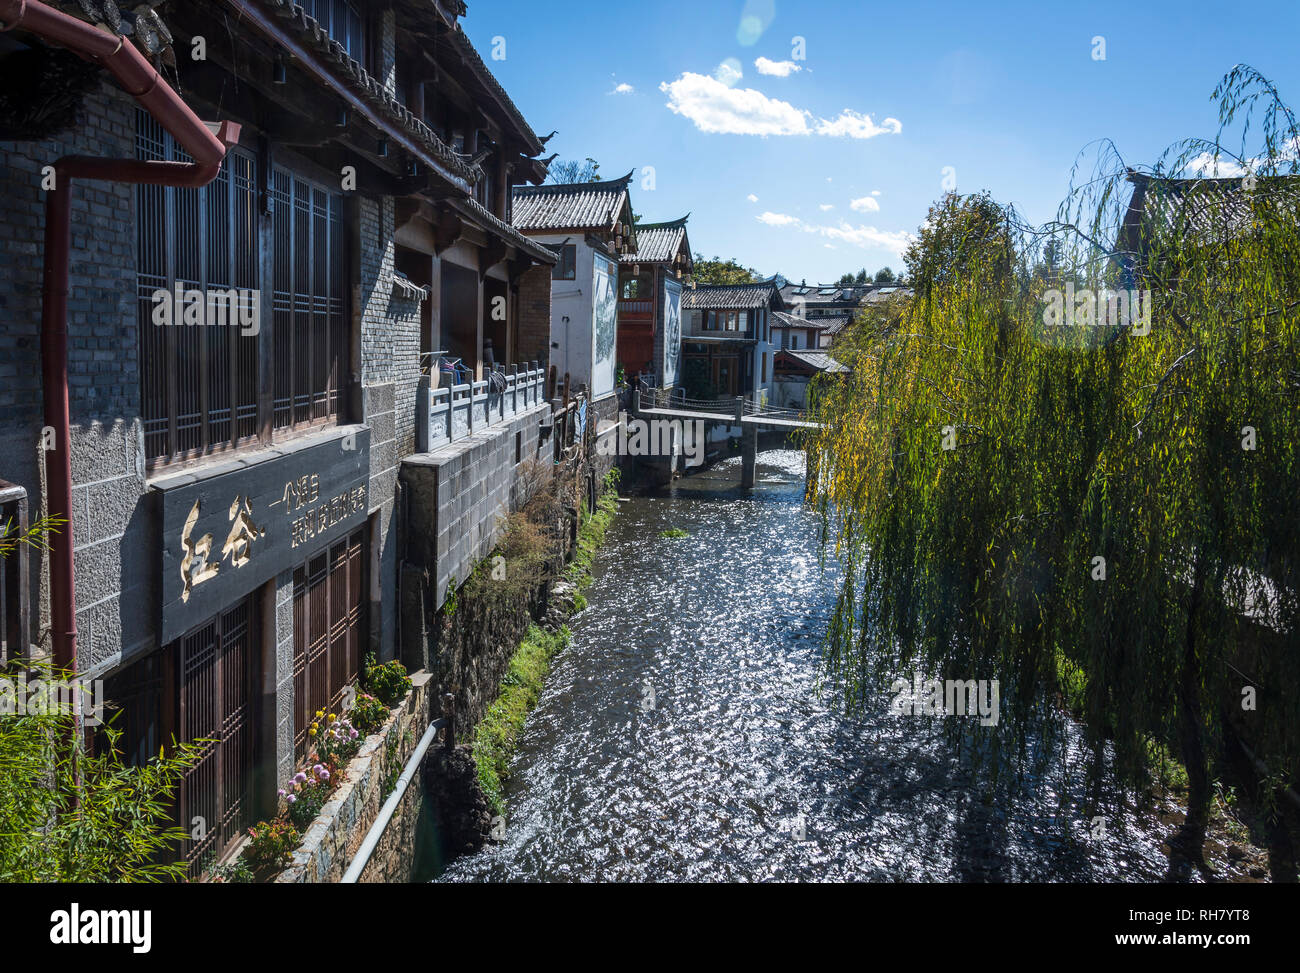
column 719, row 271
column 566, row 171
column 1073, row 443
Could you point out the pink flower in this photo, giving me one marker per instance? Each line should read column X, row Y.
column 291, row 798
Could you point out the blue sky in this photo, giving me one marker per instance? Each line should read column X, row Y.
column 862, row 128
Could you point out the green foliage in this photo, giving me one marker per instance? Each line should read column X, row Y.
column 719, row 271
column 368, row 714
column 238, row 872
column 68, row 815
column 388, row 682
column 270, row 845
column 36, row 536
column 673, row 533
column 307, row 793
column 1081, row 442
column 497, row 734
column 336, row 740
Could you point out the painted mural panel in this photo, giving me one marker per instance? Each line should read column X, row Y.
column 604, row 314
column 672, row 301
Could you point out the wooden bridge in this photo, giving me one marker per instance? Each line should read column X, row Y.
column 750, row 416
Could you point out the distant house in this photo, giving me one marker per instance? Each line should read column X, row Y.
column 589, row 227
column 791, row 332
column 834, row 306
column 650, row 299
column 793, row 370
column 812, row 301
column 727, row 347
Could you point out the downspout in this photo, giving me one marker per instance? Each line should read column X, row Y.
column 139, row 78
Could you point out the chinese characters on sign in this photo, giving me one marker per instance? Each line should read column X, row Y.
column 195, row 568
column 271, row 514
column 319, row 519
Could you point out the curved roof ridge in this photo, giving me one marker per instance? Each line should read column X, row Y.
column 587, row 187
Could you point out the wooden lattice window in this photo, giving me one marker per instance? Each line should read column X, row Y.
column 311, row 340
column 198, row 383
column 214, row 668
column 327, row 625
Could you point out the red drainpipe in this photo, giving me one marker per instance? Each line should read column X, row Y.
column 134, row 72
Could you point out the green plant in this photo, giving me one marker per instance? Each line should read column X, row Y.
column 389, row 682
column 673, row 533
column 271, row 844
column 497, row 734
column 307, row 793
column 238, row 872
column 68, row 814
column 1081, row 505
column 368, row 714
column 336, row 739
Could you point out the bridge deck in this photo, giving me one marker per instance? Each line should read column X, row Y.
column 728, row 419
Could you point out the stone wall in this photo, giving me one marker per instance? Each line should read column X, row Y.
column 459, row 496
column 332, row 840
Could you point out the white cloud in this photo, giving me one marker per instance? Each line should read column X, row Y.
column 622, row 88
column 865, row 204
column 1225, row 167
column 777, row 69
column 875, row 192
column 829, row 246
column 728, row 72
column 715, row 106
column 824, row 207
column 857, row 126
column 895, row 241
column 752, row 198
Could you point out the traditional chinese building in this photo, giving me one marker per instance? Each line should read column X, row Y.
column 589, row 228
column 221, row 309
column 727, row 342
column 650, row 302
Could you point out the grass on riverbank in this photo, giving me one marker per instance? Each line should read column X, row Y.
column 497, row 735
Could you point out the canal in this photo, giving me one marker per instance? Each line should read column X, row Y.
column 686, row 734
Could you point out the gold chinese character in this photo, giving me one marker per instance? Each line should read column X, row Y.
column 196, row 555
column 239, row 542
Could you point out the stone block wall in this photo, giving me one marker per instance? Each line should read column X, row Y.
column 332, row 840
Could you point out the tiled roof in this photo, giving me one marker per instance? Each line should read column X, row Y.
column 534, row 249
column 659, row 242
column 370, row 89
column 570, row 206
column 834, row 325
column 473, row 59
column 817, row 360
column 783, row 320
column 726, row 296
column 1214, row 211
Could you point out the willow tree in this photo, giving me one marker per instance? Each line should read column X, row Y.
column 1068, row 462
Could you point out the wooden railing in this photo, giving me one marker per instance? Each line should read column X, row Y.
column 445, row 415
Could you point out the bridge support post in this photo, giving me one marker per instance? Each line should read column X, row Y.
column 749, row 455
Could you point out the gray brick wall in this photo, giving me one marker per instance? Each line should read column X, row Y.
column 111, row 538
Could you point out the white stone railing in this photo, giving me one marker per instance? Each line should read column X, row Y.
column 444, row 415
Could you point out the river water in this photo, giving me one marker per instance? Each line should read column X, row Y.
column 685, row 734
